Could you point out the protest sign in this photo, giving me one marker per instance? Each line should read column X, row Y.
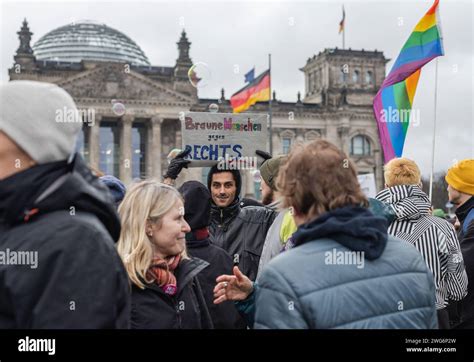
column 367, row 184
column 229, row 137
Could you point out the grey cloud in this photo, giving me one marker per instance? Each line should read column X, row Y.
column 224, row 35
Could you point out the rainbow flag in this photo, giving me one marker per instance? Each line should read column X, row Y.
column 258, row 90
column 393, row 102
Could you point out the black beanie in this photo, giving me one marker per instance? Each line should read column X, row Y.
column 237, row 178
column 197, row 204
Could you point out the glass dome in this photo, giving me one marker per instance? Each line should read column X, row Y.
column 88, row 40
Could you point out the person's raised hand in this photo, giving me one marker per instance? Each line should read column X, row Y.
column 177, row 164
column 232, row 287
column 263, row 154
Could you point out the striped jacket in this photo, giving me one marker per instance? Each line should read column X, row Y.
column 435, row 239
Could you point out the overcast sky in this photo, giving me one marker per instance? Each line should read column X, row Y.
column 231, row 35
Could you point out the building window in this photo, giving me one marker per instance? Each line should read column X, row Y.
column 82, row 145
column 312, row 135
column 205, row 172
column 109, row 145
column 315, row 77
column 286, row 145
column 360, row 146
column 342, row 76
column 355, row 76
column 369, row 77
column 139, row 139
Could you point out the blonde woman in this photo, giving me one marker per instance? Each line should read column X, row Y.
column 165, row 290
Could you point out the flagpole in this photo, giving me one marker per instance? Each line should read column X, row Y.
column 434, row 131
column 270, row 133
column 343, row 28
column 344, row 36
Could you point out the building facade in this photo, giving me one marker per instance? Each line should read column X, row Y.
column 131, row 109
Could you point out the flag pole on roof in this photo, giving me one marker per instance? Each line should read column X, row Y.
column 342, row 27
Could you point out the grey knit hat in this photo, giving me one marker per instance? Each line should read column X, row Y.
column 41, row 118
column 269, row 170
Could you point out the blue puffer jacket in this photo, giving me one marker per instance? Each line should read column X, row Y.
column 345, row 272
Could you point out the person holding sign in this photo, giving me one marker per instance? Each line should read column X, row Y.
column 176, row 166
column 239, row 231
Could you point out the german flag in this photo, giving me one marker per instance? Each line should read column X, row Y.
column 342, row 22
column 258, row 90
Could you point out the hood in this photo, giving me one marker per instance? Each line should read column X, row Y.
column 408, row 201
column 115, row 186
column 197, row 204
column 275, row 205
column 463, row 210
column 354, row 227
column 73, row 187
column 380, row 208
column 237, row 177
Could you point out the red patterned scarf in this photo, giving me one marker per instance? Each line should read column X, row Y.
column 162, row 272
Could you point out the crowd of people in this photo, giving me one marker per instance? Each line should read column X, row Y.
column 315, row 254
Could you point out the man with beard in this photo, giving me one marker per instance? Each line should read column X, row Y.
column 460, row 179
column 239, row 231
column 283, row 226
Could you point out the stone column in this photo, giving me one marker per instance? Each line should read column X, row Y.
column 326, row 76
column 178, row 136
column 154, row 156
column 126, row 149
column 250, row 184
column 94, row 143
column 299, row 136
column 276, row 140
column 306, row 85
column 379, row 181
column 343, row 133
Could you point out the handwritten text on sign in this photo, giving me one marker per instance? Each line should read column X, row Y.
column 216, row 136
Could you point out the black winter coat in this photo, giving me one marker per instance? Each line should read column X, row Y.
column 462, row 312
column 152, row 308
column 241, row 232
column 224, row 315
column 79, row 281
